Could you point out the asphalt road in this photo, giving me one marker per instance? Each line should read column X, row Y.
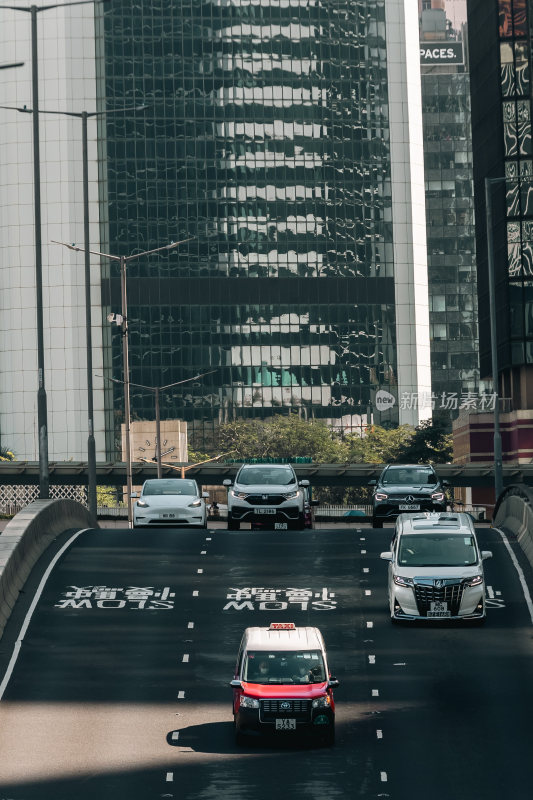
column 120, row 689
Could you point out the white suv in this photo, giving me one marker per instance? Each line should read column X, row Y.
column 436, row 568
column 268, row 495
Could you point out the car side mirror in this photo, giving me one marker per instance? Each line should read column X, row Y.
column 236, row 684
column 303, row 483
column 486, row 554
column 226, row 482
column 387, row 556
column 333, row 683
column 372, row 482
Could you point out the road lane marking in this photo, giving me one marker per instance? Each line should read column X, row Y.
column 181, row 695
column 363, row 552
column 190, row 625
column 369, row 624
column 203, row 552
column 375, row 692
column 195, row 593
column 362, row 539
column 368, row 592
column 518, row 568
column 208, row 539
column 490, row 592
column 366, row 569
column 24, row 628
column 371, row 659
column 199, row 571
column 379, row 734
column 185, row 658
column 170, row 777
column 175, row 736
column 383, row 777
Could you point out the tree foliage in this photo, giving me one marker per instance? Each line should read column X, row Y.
column 6, row 454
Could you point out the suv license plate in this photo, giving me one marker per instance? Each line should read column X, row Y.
column 264, row 510
column 280, row 526
column 410, row 507
column 285, row 724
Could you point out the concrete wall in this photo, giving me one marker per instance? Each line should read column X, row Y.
column 514, row 513
column 26, row 538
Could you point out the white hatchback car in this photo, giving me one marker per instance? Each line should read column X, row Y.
column 436, row 568
column 170, row 501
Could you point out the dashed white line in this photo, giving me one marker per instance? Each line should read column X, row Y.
column 490, row 592
column 203, row 552
column 362, row 539
column 195, row 593
column 208, row 539
column 379, row 734
column 366, row 569
column 369, row 624
column 363, row 552
column 175, row 736
column 181, row 695
column 375, row 692
column 190, row 625
column 383, row 777
column 199, row 571
column 368, row 592
column 185, row 658
column 170, row 777
column 371, row 659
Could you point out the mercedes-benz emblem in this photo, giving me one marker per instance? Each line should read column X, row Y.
column 285, row 706
column 410, row 498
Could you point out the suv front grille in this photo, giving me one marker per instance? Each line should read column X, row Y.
column 425, row 594
column 265, row 499
column 298, row 709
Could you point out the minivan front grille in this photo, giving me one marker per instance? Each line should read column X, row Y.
column 427, row 593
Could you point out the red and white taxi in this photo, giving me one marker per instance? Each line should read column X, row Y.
column 282, row 683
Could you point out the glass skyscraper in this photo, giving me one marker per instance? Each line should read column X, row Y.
column 282, row 140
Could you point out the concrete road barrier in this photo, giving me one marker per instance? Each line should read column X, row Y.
column 25, row 539
column 514, row 513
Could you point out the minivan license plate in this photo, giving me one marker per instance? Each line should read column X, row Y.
column 409, row 507
column 438, row 609
column 264, row 510
column 285, row 724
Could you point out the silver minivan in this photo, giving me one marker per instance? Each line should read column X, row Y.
column 436, row 569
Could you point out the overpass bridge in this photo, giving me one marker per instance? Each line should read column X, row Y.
column 72, row 473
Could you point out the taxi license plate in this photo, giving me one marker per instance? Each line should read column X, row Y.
column 437, row 609
column 280, row 526
column 285, row 724
column 264, row 510
column 409, row 507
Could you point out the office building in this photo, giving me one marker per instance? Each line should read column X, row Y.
column 283, row 139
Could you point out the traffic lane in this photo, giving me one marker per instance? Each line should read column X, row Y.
column 454, row 702
column 94, row 688
column 241, row 568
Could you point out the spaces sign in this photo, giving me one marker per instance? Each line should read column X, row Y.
column 443, row 52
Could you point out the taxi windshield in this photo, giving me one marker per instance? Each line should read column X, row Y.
column 437, row 550
column 294, row 666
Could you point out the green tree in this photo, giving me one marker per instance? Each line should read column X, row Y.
column 431, row 444
column 6, row 454
column 282, row 437
column 379, row 445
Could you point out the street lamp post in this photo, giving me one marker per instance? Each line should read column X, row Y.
column 91, row 445
column 42, row 412
column 157, row 390
column 498, row 466
column 123, row 261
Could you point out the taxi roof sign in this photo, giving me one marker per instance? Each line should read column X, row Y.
column 282, row 626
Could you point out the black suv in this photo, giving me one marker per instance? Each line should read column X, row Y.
column 406, row 487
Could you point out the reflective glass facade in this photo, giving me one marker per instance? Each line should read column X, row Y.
column 265, row 140
column 452, row 266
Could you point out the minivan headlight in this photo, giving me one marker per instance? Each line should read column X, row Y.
column 475, row 580
column 248, row 702
column 322, row 702
column 399, row 581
